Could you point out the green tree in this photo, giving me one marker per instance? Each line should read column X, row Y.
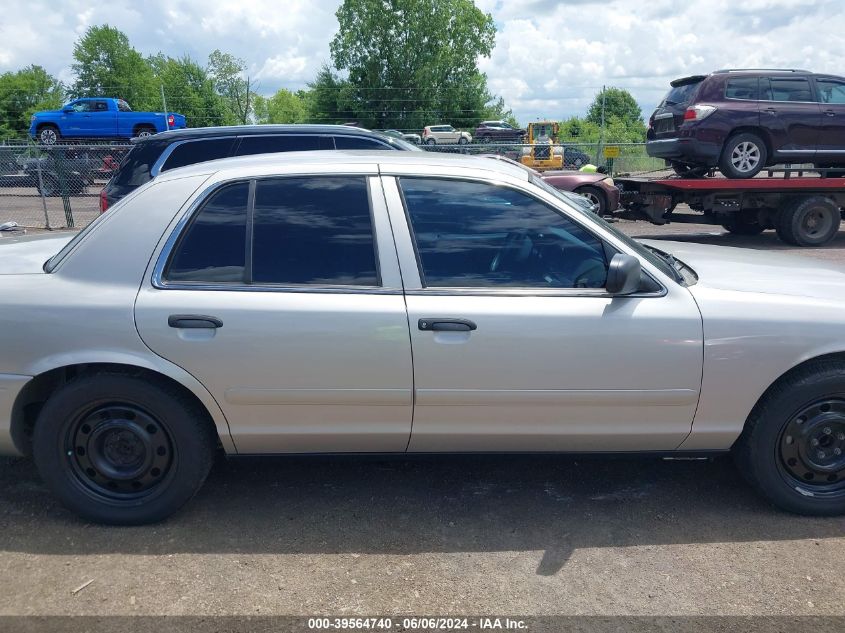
column 23, row 92
column 283, row 107
column 617, row 103
column 189, row 90
column 413, row 62
column 107, row 66
column 230, row 81
column 330, row 99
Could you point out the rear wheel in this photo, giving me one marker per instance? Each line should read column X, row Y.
column 142, row 131
column 740, row 224
column 430, row 141
column 686, row 170
column 743, row 156
column 812, row 221
column 793, row 446
column 122, row 449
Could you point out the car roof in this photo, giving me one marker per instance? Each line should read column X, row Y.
column 249, row 130
column 348, row 157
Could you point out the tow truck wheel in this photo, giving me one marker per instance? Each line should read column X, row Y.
column 812, row 221
column 739, row 224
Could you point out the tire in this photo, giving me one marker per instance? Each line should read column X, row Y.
column 787, row 450
column 48, row 135
column 743, row 156
column 121, row 449
column 483, row 139
column 142, row 131
column 740, row 224
column 689, row 171
column 594, row 195
column 463, row 140
column 812, row 221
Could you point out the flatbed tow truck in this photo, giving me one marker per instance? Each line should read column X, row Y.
column 805, row 210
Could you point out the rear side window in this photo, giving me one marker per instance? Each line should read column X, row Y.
column 193, row 152
column 280, row 143
column 314, row 230
column 681, row 94
column 786, row 89
column 135, row 167
column 831, row 91
column 213, row 247
column 354, row 142
column 742, row 88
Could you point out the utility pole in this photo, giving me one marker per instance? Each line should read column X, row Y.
column 164, row 104
column 601, row 134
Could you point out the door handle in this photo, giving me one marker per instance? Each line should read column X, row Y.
column 770, row 110
column 193, row 321
column 830, row 113
column 437, row 324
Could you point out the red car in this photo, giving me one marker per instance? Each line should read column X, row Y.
column 598, row 188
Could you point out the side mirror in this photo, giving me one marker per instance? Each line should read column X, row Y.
column 68, row 109
column 623, row 274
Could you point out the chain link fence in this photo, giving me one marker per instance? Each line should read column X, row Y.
column 58, row 186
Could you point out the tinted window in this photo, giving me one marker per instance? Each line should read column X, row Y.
column 478, row 235
column 785, row 89
column 193, row 152
column 135, row 167
column 100, row 106
column 81, row 106
column 213, row 248
column 681, row 94
column 280, row 143
column 353, row 142
column 742, row 88
column 831, row 91
column 314, row 230
column 123, row 106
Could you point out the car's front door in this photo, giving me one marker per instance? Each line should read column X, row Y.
column 831, row 94
column 517, row 346
column 283, row 297
column 99, row 121
column 791, row 116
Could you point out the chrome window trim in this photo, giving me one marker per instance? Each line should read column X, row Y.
column 158, row 281
column 515, row 291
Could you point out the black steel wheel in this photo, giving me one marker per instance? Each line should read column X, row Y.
column 792, row 448
column 123, row 449
column 741, row 224
column 811, row 221
column 811, row 449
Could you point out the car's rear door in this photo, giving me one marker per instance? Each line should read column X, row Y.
column 791, row 116
column 516, row 344
column 99, row 121
column 831, row 96
column 282, row 296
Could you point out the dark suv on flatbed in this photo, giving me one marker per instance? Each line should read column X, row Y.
column 168, row 150
column 744, row 120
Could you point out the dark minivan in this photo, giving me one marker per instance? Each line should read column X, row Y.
column 744, row 120
column 177, row 148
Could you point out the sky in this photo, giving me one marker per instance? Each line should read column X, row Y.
column 550, row 59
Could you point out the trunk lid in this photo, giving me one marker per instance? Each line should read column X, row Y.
column 26, row 254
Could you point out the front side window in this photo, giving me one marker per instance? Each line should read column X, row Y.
column 101, row 106
column 81, row 106
column 280, row 143
column 785, row 89
column 193, row 152
column 356, row 142
column 831, row 91
column 477, row 235
column 313, row 230
column 213, row 247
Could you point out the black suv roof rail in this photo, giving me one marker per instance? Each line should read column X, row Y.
column 780, row 70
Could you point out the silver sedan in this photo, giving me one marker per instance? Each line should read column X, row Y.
column 369, row 303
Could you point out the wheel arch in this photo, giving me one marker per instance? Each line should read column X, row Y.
column 143, row 126
column 752, row 129
column 837, row 357
column 44, row 383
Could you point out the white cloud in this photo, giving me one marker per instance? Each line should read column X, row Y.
column 550, row 59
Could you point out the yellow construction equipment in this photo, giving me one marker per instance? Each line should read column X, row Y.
column 542, row 153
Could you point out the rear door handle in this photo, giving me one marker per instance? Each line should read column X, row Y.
column 830, row 113
column 438, row 324
column 770, row 110
column 193, row 321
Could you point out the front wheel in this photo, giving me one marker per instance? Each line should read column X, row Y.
column 49, row 135
column 430, row 141
column 121, row 449
column 596, row 196
column 743, row 156
column 463, row 140
column 793, row 446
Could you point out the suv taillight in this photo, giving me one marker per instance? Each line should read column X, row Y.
column 698, row 112
column 104, row 201
column 170, row 120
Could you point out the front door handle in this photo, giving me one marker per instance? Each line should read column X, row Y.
column 438, row 324
column 193, row 321
column 770, row 110
column 830, row 113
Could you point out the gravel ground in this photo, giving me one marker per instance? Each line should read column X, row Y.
column 525, row 536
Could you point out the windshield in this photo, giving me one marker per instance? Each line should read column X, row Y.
column 650, row 256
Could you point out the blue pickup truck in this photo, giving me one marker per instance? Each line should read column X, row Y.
column 99, row 118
